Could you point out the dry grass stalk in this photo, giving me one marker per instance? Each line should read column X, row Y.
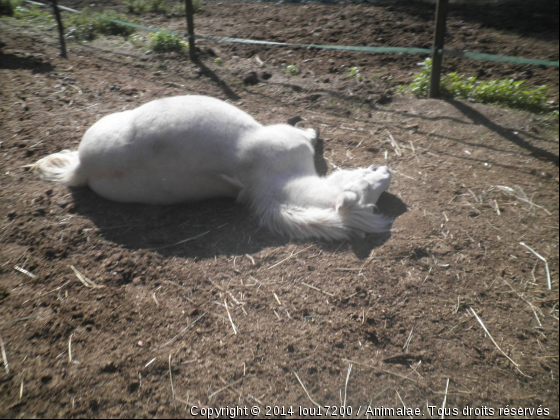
column 85, row 281
column 237, row 302
column 183, row 330
column 406, row 176
column 533, row 308
column 408, row 340
column 4, row 356
column 224, row 388
column 368, row 261
column 521, row 196
column 171, row 378
column 548, row 279
column 316, row 288
column 402, row 402
column 494, row 341
column 229, row 316
column 70, row 348
column 497, row 208
column 47, row 293
column 24, row 271
column 180, row 242
column 445, row 399
column 394, row 144
column 182, row 401
column 150, row 362
column 291, row 255
column 398, row 375
column 346, row 383
column 306, row 392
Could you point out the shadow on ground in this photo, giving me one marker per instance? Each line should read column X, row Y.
column 480, row 119
column 15, row 62
column 202, row 230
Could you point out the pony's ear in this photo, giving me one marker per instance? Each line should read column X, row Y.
column 346, row 201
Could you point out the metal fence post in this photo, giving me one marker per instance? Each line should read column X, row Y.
column 60, row 30
column 190, row 28
column 439, row 40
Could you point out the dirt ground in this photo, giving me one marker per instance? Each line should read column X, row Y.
column 194, row 307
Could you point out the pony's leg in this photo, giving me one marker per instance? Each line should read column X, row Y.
column 312, row 135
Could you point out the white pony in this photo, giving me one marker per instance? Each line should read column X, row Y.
column 189, row 148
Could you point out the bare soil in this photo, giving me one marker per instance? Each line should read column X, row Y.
column 194, row 305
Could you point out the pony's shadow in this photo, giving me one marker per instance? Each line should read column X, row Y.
column 205, row 229
column 389, row 205
column 201, row 230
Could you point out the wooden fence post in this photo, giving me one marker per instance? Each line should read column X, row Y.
column 190, row 28
column 60, row 30
column 439, row 40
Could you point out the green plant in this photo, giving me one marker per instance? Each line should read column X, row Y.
column 80, row 25
column 106, row 27
column 509, row 93
column 354, row 73
column 86, row 25
column 161, row 42
column 291, row 70
column 31, row 12
column 218, row 61
column 140, row 7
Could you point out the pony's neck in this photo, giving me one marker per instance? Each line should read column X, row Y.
column 310, row 191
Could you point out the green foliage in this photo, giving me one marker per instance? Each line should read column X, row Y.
column 113, row 28
column 218, row 61
column 32, row 13
column 506, row 92
column 160, row 42
column 140, row 7
column 86, row 25
column 291, row 70
column 354, row 73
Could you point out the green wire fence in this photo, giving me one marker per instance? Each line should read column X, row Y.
column 437, row 52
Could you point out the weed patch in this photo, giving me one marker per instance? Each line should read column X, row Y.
column 31, row 13
column 291, row 70
column 508, row 93
column 161, row 43
column 87, row 26
column 141, row 7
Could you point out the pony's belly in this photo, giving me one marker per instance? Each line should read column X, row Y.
column 162, row 190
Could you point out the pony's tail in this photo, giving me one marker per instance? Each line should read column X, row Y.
column 63, row 167
column 314, row 222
